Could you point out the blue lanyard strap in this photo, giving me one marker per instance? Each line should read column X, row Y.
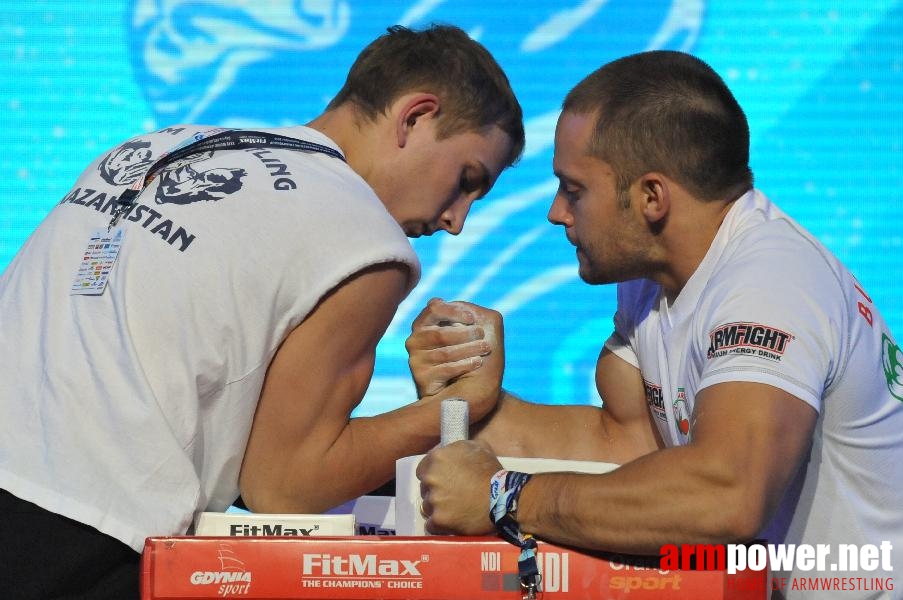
column 504, row 492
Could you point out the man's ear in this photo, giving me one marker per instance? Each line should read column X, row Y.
column 655, row 196
column 411, row 110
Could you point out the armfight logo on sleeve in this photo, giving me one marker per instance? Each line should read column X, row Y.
column 753, row 339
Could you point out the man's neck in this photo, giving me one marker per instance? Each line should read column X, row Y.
column 688, row 243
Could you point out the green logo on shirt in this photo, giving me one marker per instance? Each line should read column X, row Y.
column 893, row 366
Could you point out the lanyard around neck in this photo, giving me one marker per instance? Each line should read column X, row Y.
column 229, row 139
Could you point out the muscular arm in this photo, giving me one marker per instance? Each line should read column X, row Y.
column 443, row 359
column 748, row 442
column 305, row 453
column 617, row 433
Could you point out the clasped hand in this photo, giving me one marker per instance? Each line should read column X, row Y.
column 457, row 349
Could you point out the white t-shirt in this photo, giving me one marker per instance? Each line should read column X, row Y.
column 130, row 411
column 770, row 304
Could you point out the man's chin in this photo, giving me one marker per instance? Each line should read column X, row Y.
column 584, row 269
column 593, row 277
column 588, row 279
column 416, row 231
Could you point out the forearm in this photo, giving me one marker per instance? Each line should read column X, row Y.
column 519, row 428
column 749, row 442
column 368, row 447
column 671, row 496
column 328, row 469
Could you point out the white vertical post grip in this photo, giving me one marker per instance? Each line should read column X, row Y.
column 455, row 421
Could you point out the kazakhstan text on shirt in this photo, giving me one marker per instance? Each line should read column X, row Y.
column 155, row 221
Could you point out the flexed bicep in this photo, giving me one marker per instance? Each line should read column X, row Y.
column 625, row 414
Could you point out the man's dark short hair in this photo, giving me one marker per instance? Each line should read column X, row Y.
column 668, row 112
column 442, row 60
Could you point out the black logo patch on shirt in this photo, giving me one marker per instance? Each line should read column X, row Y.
column 752, row 339
column 127, row 163
column 186, row 181
column 655, row 400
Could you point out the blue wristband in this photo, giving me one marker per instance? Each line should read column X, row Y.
column 504, row 493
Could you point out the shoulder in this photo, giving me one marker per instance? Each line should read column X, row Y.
column 775, row 274
column 777, row 255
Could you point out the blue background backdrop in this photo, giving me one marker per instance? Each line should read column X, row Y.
column 821, row 82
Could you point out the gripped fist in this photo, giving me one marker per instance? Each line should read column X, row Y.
column 454, row 488
column 457, row 349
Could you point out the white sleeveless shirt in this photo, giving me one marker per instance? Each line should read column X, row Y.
column 130, row 411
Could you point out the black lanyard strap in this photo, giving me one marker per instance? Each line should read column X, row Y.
column 226, row 140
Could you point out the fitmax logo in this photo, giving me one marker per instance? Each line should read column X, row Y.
column 277, row 529
column 358, row 565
